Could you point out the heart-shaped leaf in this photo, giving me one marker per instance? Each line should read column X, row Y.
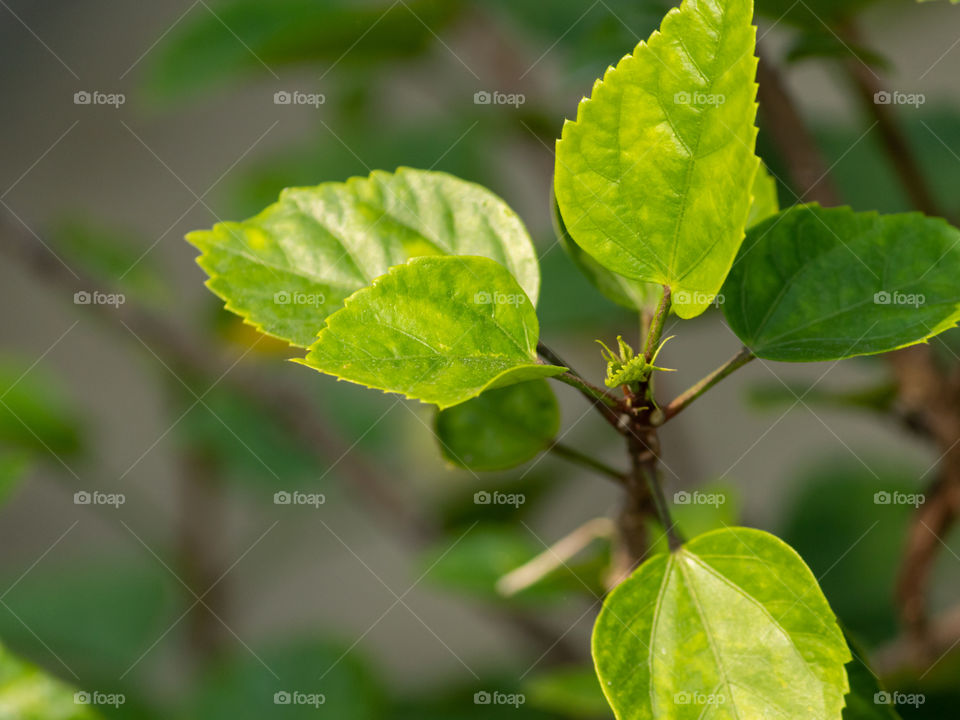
column 501, row 428
column 286, row 269
column 654, row 178
column 731, row 625
column 438, row 329
column 823, row 284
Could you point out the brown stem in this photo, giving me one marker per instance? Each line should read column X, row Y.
column 200, row 518
column 868, row 89
column 931, row 401
column 781, row 119
column 644, row 499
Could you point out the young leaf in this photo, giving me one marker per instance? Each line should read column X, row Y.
column 824, row 284
column 654, row 177
column 501, row 428
column 286, row 269
column 735, row 620
column 439, row 329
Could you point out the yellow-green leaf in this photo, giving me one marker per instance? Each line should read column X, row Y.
column 654, row 178
column 437, row 329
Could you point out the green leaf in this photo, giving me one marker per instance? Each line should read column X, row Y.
column 501, row 428
column 288, row 268
column 731, row 625
column 28, row 693
column 440, row 330
column 632, row 294
column 571, row 692
column 824, row 284
column 765, row 201
column 654, row 177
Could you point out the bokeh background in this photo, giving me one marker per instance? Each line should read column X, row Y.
column 198, row 597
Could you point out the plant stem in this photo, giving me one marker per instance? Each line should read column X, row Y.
column 796, row 146
column 644, row 481
column 575, row 456
column 656, row 326
column 590, row 390
column 606, row 404
column 674, row 540
column 867, row 87
column 680, row 402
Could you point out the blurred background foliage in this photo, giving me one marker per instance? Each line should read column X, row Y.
column 397, row 77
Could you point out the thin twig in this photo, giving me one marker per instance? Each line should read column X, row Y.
column 575, row 456
column 609, row 407
column 554, row 557
column 686, row 398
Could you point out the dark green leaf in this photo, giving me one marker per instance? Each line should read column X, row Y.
column 824, row 284
column 501, row 428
